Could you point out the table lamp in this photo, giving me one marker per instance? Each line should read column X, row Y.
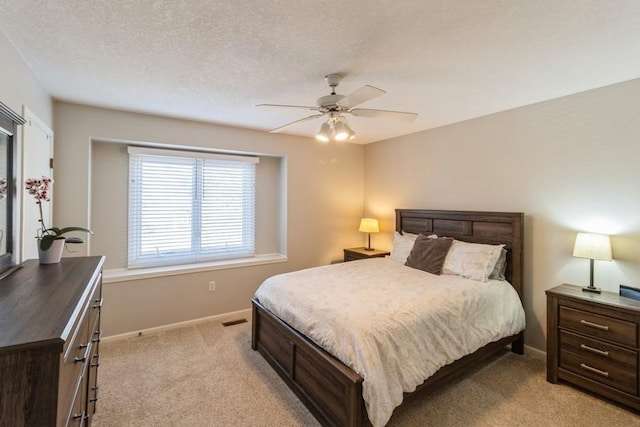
column 369, row 225
column 592, row 246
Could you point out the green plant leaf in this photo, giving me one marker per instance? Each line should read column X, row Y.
column 47, row 240
column 69, row 229
column 55, row 233
column 60, row 231
column 54, row 230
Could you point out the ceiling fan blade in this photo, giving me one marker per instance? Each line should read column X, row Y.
column 383, row 114
column 315, row 116
column 288, row 106
column 364, row 94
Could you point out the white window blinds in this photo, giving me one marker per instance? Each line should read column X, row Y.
column 189, row 207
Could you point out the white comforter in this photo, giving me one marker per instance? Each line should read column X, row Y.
column 393, row 325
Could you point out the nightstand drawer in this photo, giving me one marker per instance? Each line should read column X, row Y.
column 608, row 328
column 352, row 254
column 352, row 257
column 605, row 363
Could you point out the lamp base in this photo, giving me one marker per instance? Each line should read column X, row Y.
column 368, row 249
column 591, row 289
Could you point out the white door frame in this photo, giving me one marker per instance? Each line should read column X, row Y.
column 36, row 154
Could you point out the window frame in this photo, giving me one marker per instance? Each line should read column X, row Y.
column 204, row 163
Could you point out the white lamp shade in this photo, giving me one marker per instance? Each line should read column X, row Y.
column 350, row 133
column 342, row 131
column 593, row 246
column 339, row 131
column 324, row 134
column 369, row 225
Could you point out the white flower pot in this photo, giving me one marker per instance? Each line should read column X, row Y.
column 53, row 254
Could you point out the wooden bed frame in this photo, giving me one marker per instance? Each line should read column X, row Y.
column 331, row 390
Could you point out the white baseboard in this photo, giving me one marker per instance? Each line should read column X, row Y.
column 219, row 317
column 534, row 352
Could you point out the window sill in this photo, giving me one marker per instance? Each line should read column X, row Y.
column 125, row 275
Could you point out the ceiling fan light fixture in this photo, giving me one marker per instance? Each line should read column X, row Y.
column 324, row 134
column 339, row 131
column 350, row 133
column 336, row 127
column 342, row 131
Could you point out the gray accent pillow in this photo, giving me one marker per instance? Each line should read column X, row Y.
column 500, row 267
column 428, row 254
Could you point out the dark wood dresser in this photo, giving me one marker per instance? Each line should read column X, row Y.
column 49, row 339
column 593, row 342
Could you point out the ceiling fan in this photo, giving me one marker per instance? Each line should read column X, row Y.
column 335, row 106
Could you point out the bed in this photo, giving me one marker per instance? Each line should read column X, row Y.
column 332, row 391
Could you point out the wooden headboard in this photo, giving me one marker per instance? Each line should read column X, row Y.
column 492, row 228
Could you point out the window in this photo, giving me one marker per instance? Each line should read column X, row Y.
column 187, row 207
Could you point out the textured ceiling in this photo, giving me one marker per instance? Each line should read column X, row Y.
column 447, row 60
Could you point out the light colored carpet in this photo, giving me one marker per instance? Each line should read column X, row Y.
column 207, row 375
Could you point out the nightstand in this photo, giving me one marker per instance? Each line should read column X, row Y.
column 352, row 254
column 592, row 342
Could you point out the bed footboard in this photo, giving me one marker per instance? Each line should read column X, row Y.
column 329, row 389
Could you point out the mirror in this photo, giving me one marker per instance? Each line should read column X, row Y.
column 4, row 211
column 9, row 121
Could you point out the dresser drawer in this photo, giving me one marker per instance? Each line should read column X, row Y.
column 95, row 306
column 602, row 362
column 93, row 383
column 78, row 348
column 76, row 415
column 608, row 328
column 74, row 363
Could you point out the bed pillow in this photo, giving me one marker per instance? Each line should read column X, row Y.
column 402, row 244
column 500, row 267
column 428, row 253
column 471, row 260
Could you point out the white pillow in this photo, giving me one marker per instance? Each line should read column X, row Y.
column 402, row 245
column 474, row 261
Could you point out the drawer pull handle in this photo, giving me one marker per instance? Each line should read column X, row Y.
column 98, row 335
column 86, row 353
column 594, row 370
column 98, row 303
column 95, row 394
column 594, row 325
column 78, row 416
column 594, row 350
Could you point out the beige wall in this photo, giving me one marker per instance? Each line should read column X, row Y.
column 324, row 188
column 19, row 86
column 569, row 164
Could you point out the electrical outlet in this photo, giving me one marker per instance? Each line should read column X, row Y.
column 212, row 286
